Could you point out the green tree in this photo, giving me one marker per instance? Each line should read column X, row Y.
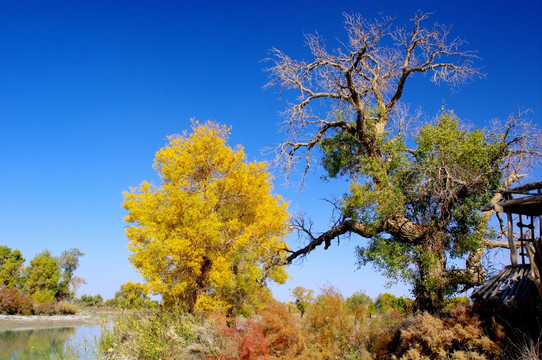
column 132, row 296
column 90, row 300
column 11, row 262
column 417, row 207
column 303, row 297
column 204, row 238
column 41, row 278
column 360, row 304
column 68, row 262
column 386, row 302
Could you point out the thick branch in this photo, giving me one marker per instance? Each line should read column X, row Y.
column 325, row 238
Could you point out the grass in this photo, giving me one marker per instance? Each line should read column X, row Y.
column 328, row 329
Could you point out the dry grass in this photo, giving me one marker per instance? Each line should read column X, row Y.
column 329, row 329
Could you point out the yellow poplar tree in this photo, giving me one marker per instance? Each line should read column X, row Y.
column 206, row 237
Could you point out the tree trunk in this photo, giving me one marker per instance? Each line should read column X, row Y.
column 431, row 282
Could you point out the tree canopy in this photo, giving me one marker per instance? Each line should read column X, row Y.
column 11, row 269
column 68, row 262
column 131, row 296
column 42, row 277
column 415, row 190
column 206, row 236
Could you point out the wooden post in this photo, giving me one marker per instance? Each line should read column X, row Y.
column 521, row 251
column 513, row 251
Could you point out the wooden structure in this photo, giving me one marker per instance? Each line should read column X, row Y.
column 521, row 279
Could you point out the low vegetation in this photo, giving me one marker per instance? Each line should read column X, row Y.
column 328, row 327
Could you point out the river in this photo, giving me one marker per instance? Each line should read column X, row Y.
column 48, row 338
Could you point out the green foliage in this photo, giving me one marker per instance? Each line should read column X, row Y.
column 387, row 302
column 90, row 300
column 131, row 296
column 303, row 297
column 42, row 277
column 163, row 336
column 439, row 186
column 393, row 258
column 11, row 262
column 360, row 304
column 38, row 287
column 68, row 262
column 447, row 158
column 43, row 296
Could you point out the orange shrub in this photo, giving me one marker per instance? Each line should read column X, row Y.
column 15, row 302
column 282, row 330
column 327, row 324
column 245, row 340
column 458, row 336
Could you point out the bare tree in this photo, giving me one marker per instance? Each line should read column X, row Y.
column 405, row 201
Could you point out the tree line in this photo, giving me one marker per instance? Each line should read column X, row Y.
column 130, row 296
column 37, row 287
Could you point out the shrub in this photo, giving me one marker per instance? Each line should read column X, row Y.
column 65, row 308
column 457, row 336
column 159, row 336
column 282, row 329
column 327, row 324
column 360, row 305
column 245, row 340
column 43, row 296
column 14, row 302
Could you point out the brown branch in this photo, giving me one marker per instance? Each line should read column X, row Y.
column 324, row 238
column 367, row 75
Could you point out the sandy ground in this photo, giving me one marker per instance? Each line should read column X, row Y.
column 17, row 322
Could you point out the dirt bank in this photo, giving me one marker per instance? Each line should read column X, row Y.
column 17, row 322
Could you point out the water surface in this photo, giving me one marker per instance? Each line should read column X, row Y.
column 49, row 343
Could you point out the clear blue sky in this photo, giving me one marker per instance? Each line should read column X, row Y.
column 89, row 90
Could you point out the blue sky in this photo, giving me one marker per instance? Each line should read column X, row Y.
column 89, row 90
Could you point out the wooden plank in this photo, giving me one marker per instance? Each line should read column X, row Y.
column 523, row 188
column 513, row 251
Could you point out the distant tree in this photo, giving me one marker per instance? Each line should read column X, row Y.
column 303, row 297
column 132, row 296
column 455, row 301
column 414, row 192
column 360, row 304
column 386, row 302
column 90, row 300
column 11, row 262
column 41, row 278
column 204, row 238
column 68, row 262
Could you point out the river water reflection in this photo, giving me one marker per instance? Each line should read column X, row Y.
column 49, row 343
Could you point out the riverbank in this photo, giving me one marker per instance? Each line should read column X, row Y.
column 27, row 322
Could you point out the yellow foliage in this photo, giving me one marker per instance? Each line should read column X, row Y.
column 205, row 236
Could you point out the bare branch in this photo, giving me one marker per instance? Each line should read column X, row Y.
column 324, row 238
column 521, row 140
column 365, row 77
